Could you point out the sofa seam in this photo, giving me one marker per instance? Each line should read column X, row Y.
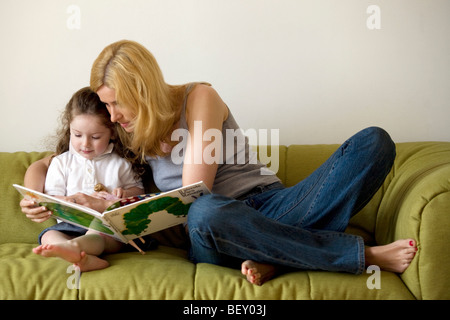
column 310, row 286
column 419, row 274
column 194, row 283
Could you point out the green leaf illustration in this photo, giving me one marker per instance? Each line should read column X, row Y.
column 137, row 220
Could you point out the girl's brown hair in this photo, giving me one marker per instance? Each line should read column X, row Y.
column 86, row 101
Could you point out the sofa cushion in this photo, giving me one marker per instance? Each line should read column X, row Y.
column 27, row 276
column 14, row 226
column 165, row 273
column 299, row 285
column 161, row 274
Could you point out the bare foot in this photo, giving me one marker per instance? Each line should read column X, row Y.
column 90, row 262
column 394, row 257
column 68, row 251
column 257, row 273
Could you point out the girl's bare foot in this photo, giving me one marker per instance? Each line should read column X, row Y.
column 394, row 257
column 257, row 273
column 90, row 262
column 68, row 251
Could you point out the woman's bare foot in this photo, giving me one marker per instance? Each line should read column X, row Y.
column 394, row 257
column 67, row 250
column 90, row 263
column 257, row 273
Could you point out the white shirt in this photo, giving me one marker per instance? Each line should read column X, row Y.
column 70, row 173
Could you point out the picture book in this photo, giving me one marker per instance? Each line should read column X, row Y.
column 129, row 218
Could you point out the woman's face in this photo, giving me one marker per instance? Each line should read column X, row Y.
column 119, row 114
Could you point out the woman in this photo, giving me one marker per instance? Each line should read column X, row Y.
column 250, row 216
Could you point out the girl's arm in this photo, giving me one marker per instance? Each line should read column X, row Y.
column 205, row 113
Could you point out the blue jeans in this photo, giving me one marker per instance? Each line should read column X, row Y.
column 302, row 226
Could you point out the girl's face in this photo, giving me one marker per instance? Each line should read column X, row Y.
column 89, row 136
column 121, row 115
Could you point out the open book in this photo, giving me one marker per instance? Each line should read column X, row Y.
column 126, row 219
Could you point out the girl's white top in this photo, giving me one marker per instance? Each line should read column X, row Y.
column 70, row 173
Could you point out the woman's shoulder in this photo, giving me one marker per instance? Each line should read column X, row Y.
column 203, row 99
column 201, row 90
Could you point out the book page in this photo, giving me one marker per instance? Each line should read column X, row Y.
column 69, row 212
column 159, row 212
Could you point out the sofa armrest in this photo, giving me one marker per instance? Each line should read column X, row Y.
column 416, row 205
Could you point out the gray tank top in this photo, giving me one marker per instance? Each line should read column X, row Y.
column 238, row 171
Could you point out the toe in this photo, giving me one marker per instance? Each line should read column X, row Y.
column 411, row 243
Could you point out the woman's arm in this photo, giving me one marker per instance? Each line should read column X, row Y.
column 36, row 173
column 35, row 179
column 205, row 113
column 125, row 193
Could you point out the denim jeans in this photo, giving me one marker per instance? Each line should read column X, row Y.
column 302, row 226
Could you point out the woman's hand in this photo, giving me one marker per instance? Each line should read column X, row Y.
column 34, row 212
column 98, row 204
column 105, row 195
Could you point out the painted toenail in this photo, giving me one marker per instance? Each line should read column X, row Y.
column 411, row 243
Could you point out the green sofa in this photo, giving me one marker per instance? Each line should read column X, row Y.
column 414, row 202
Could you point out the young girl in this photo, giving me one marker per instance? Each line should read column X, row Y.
column 88, row 160
column 250, row 218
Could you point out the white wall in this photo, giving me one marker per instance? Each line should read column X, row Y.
column 311, row 68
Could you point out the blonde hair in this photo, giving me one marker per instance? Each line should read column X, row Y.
column 132, row 71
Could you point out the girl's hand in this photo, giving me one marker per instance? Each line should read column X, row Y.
column 34, row 212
